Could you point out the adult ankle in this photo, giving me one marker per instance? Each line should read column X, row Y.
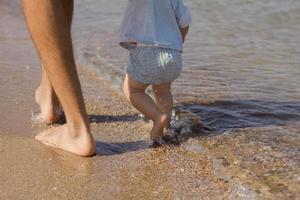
column 78, row 129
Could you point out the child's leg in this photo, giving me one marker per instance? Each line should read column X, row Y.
column 135, row 93
column 164, row 99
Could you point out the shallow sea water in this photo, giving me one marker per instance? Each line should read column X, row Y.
column 241, row 76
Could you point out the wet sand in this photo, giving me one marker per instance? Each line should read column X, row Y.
column 241, row 163
column 124, row 167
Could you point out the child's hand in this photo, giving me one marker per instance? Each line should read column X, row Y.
column 128, row 45
column 184, row 32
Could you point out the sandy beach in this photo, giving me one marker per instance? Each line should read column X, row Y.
column 250, row 162
column 124, row 167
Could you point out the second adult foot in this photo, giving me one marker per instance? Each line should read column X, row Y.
column 48, row 119
column 61, row 137
column 51, row 111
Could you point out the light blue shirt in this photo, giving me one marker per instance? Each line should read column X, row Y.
column 155, row 23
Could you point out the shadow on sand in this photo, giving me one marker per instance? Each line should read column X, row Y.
column 111, row 118
column 218, row 116
column 115, row 148
column 112, row 148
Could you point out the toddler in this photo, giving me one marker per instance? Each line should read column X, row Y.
column 154, row 32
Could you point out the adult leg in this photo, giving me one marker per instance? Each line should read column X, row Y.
column 48, row 25
column 45, row 95
column 135, row 93
column 47, row 99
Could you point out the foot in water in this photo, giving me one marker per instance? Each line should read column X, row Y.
column 157, row 130
column 63, row 138
column 37, row 118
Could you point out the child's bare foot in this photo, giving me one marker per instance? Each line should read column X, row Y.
column 51, row 111
column 61, row 137
column 158, row 127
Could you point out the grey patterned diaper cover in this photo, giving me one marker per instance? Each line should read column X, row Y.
column 154, row 65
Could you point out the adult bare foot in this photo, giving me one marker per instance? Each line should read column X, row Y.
column 63, row 137
column 51, row 111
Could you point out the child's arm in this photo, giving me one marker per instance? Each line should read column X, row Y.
column 184, row 32
column 183, row 17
